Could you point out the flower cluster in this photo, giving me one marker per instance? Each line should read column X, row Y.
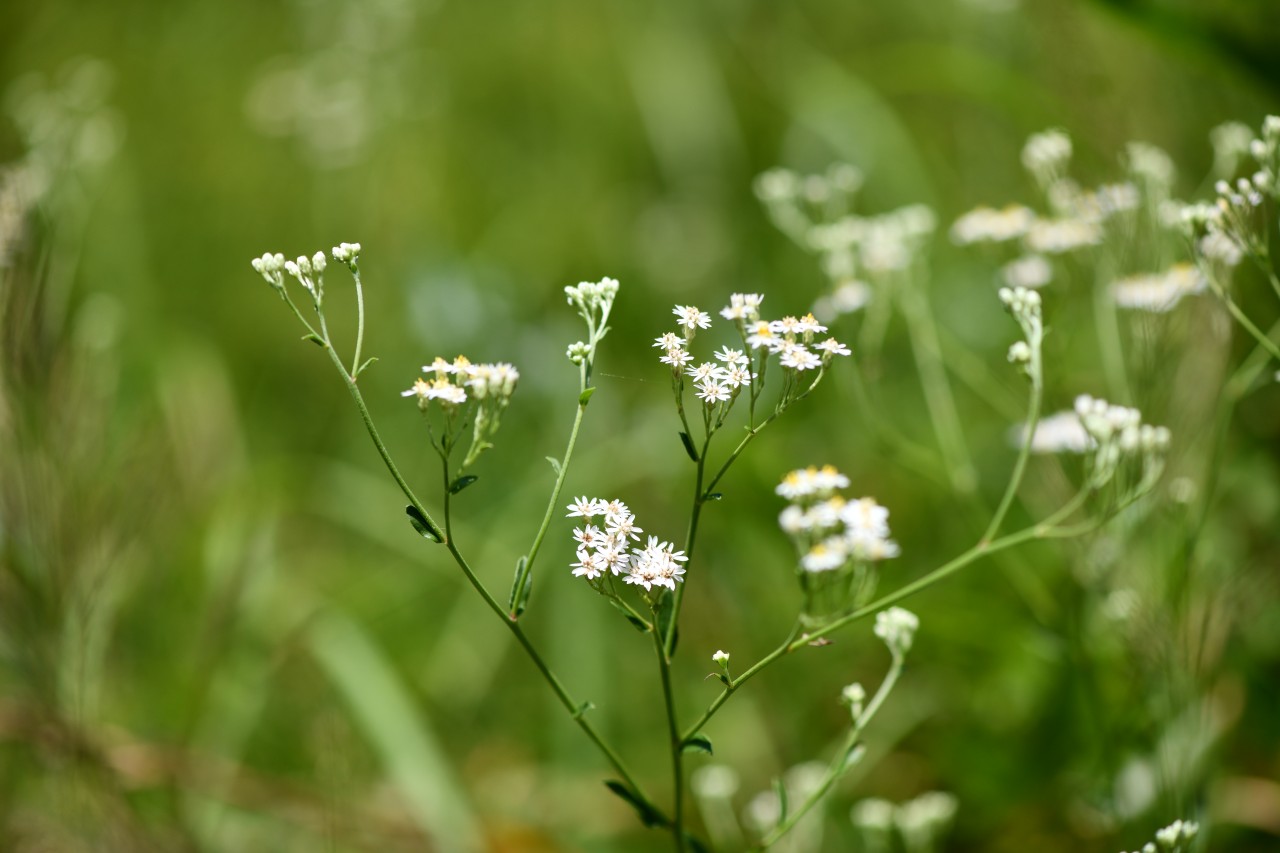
column 606, row 551
column 462, row 389
column 1158, row 292
column 452, row 379
column 922, row 822
column 307, row 271
column 718, row 383
column 897, row 627
column 831, row 533
column 1174, row 838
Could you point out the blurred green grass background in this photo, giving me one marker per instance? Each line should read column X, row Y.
column 219, row 632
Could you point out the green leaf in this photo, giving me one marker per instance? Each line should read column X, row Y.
column 712, row 496
column 688, row 446
column 697, row 743
column 425, row 528
column 647, row 814
column 461, row 483
column 695, row 845
column 315, row 339
column 521, row 586
column 555, row 464
column 666, row 611
column 640, row 624
column 585, row 396
column 853, row 756
column 363, row 367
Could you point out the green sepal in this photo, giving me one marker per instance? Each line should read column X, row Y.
column 425, row 528
column 461, row 483
column 688, row 446
column 697, row 743
column 585, row 396
column 648, row 815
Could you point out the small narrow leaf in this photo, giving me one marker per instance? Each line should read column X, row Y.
column 853, row 756
column 425, row 528
column 648, row 816
column 365, row 366
column 640, row 624
column 315, row 339
column 688, row 446
column 517, row 585
column 698, row 743
column 585, row 396
column 666, row 611
column 712, row 496
column 555, row 464
column 461, row 483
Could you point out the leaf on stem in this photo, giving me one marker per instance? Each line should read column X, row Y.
column 648, row 815
column 585, row 396
column 713, row 496
column 853, row 756
column 666, row 612
column 521, row 586
column 367, row 362
column 461, row 483
column 688, row 446
column 640, row 625
column 697, row 743
column 315, row 339
column 425, row 529
column 555, row 464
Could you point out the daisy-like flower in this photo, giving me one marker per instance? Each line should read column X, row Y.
column 832, row 347
column 799, row 358
column 737, row 376
column 711, row 391
column 706, row 370
column 621, row 527
column 1057, row 433
column 615, row 509
column 743, row 306
column 589, row 565
column 440, row 367
column 760, row 334
column 446, row 392
column 809, row 325
column 676, row 357
column 794, row 520
column 825, row 556
column 691, row 318
column 730, row 357
column 669, row 340
column 588, row 536
column 983, row 224
column 420, row 390
column 585, row 507
column 789, row 326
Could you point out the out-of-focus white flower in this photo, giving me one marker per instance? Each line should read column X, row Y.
column 1056, row 236
column 1031, row 271
column 1158, row 292
column 897, row 627
column 988, row 225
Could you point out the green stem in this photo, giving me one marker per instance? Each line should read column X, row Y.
column 841, row 762
column 1109, row 343
column 796, row 639
column 1263, row 341
column 1020, row 467
column 554, row 501
column 673, row 732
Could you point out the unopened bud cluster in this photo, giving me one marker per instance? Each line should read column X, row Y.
column 307, row 271
column 1024, row 305
column 593, row 301
column 1118, row 435
column 897, row 627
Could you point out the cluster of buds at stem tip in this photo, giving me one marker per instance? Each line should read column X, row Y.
column 1118, row 435
column 1024, row 305
column 897, row 627
column 594, row 301
column 307, row 271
